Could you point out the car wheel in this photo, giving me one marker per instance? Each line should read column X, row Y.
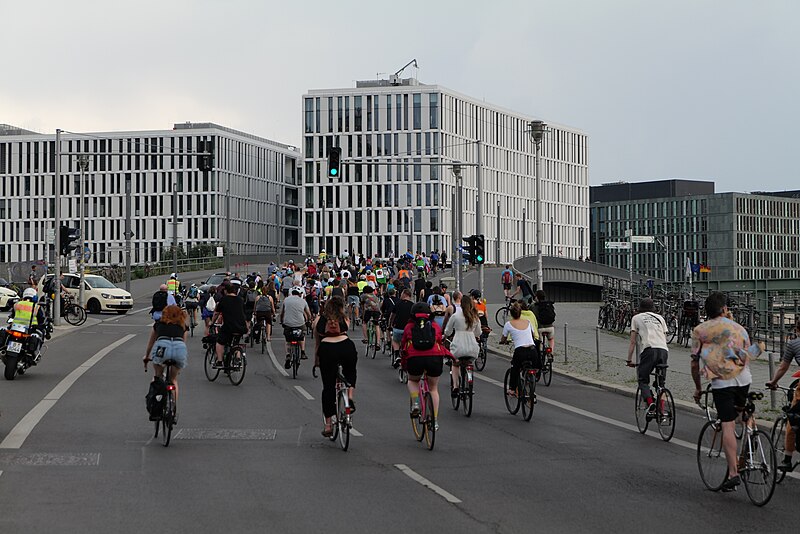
column 93, row 306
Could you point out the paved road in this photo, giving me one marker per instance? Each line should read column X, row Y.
column 89, row 465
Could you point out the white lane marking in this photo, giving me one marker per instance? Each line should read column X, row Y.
column 275, row 361
column 304, row 393
column 22, row 430
column 353, row 431
column 138, row 311
column 413, row 475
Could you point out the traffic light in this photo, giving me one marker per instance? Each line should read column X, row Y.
column 68, row 237
column 334, row 162
column 470, row 250
column 480, row 253
column 205, row 162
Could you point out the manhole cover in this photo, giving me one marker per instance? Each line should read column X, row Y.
column 217, row 433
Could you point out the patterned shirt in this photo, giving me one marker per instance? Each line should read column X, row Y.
column 721, row 346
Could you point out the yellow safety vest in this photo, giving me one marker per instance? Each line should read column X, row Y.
column 25, row 313
column 172, row 285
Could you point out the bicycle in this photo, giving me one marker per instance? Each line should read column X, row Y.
column 524, row 395
column 465, row 388
column 664, row 413
column 262, row 338
column 480, row 361
column 342, row 422
column 372, row 341
column 706, row 403
column 778, row 434
column 74, row 314
column 192, row 321
column 234, row 360
column 169, row 413
column 423, row 423
column 757, row 462
column 295, row 337
column 387, row 337
column 501, row 316
column 547, row 365
column 402, row 374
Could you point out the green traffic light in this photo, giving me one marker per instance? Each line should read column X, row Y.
column 333, row 172
column 480, row 258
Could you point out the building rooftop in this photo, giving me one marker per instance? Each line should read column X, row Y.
column 620, row 191
column 7, row 129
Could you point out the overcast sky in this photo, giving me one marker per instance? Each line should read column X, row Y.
column 682, row 89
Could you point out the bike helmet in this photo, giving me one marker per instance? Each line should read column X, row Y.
column 420, row 307
column 29, row 293
column 362, row 277
column 475, row 293
column 296, row 290
column 173, row 275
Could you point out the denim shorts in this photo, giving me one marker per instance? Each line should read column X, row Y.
column 397, row 335
column 173, row 350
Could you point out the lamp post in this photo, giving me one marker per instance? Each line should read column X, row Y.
column 537, row 131
column 83, row 163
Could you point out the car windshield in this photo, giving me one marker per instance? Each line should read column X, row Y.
column 215, row 279
column 98, row 282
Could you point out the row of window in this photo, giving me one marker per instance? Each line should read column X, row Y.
column 371, row 112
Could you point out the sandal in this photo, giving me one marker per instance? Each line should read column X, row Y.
column 327, row 431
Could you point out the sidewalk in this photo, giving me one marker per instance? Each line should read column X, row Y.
column 614, row 375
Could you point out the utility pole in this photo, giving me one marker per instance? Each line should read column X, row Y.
column 83, row 163
column 57, row 216
column 538, row 129
column 128, row 232
column 175, row 228
column 228, row 226
column 479, row 206
column 453, row 231
column 459, row 227
column 552, row 238
column 524, row 224
column 278, row 227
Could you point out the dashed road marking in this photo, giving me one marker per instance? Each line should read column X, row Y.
column 356, row 433
column 416, row 477
column 304, row 393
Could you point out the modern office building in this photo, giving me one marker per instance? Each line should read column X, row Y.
column 726, row 236
column 257, row 177
column 399, row 139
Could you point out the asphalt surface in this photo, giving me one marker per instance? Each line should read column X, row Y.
column 258, row 461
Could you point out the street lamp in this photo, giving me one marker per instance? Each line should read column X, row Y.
column 83, row 163
column 537, row 131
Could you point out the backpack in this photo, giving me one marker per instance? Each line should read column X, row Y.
column 263, row 304
column 252, row 295
column 507, row 277
column 192, row 293
column 156, row 396
column 332, row 328
column 423, row 337
column 337, row 292
column 439, row 306
column 545, row 313
column 159, row 300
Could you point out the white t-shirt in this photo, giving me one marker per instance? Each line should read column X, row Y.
column 652, row 330
column 521, row 338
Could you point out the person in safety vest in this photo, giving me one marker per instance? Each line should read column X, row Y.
column 173, row 285
column 27, row 313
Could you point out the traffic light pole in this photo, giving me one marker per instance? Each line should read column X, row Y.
column 83, row 162
column 57, row 252
column 479, row 206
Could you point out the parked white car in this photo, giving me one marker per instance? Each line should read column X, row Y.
column 98, row 293
column 8, row 297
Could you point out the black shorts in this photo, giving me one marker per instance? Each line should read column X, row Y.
column 224, row 336
column 371, row 315
column 294, row 333
column 726, row 400
column 433, row 365
column 507, row 286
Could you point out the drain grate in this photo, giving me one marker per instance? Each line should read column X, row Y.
column 229, row 434
column 51, row 459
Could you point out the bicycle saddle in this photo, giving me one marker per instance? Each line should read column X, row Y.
column 169, row 362
column 661, row 366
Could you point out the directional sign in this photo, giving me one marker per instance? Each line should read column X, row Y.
column 72, row 266
column 51, row 236
column 220, row 253
column 623, row 245
column 642, row 239
column 128, row 235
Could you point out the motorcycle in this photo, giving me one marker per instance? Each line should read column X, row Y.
column 21, row 349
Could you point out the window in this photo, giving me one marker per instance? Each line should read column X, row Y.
column 417, row 219
column 433, row 103
column 417, row 117
column 347, row 113
column 434, row 220
column 388, row 112
column 309, row 115
column 405, row 112
column 369, row 113
column 309, row 146
column 330, row 113
column 318, row 111
column 357, row 109
column 399, row 111
column 358, row 222
column 340, row 112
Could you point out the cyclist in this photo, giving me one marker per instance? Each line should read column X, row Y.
column 173, row 285
column 264, row 309
column 312, row 294
column 419, row 286
column 295, row 314
column 791, row 352
column 720, row 344
column 362, row 283
column 417, row 360
column 546, row 317
column 455, row 305
column 434, row 262
column 371, row 304
column 231, row 308
column 250, row 297
column 192, row 301
column 649, row 330
column 205, row 313
column 507, row 278
column 438, row 306
column 465, row 327
column 168, row 342
column 523, row 336
column 398, row 320
column 352, row 299
column 523, row 287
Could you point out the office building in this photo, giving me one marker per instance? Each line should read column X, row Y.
column 258, row 177
column 726, row 236
column 399, row 139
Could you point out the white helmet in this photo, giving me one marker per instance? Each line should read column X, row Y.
column 29, row 293
column 173, row 275
column 297, row 290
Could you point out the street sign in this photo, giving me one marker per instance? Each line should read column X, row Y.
column 51, row 236
column 128, row 235
column 628, row 232
column 73, row 266
column 220, row 253
column 642, row 239
column 619, row 245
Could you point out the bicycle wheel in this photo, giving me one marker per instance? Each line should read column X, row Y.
column 295, row 360
column 191, row 325
column 710, row 459
column 455, row 399
column 672, row 329
column 760, row 469
column 402, row 375
column 82, row 313
column 208, row 364
column 417, row 423
column 512, row 401
column 168, row 419
column 430, row 422
column 547, row 373
column 665, row 413
column 501, row 316
column 528, row 400
column 237, row 366
column 707, row 404
column 778, row 437
column 343, row 420
column 466, row 392
column 72, row 314
column 263, row 338
column 640, row 411
column 480, row 361
column 371, row 345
